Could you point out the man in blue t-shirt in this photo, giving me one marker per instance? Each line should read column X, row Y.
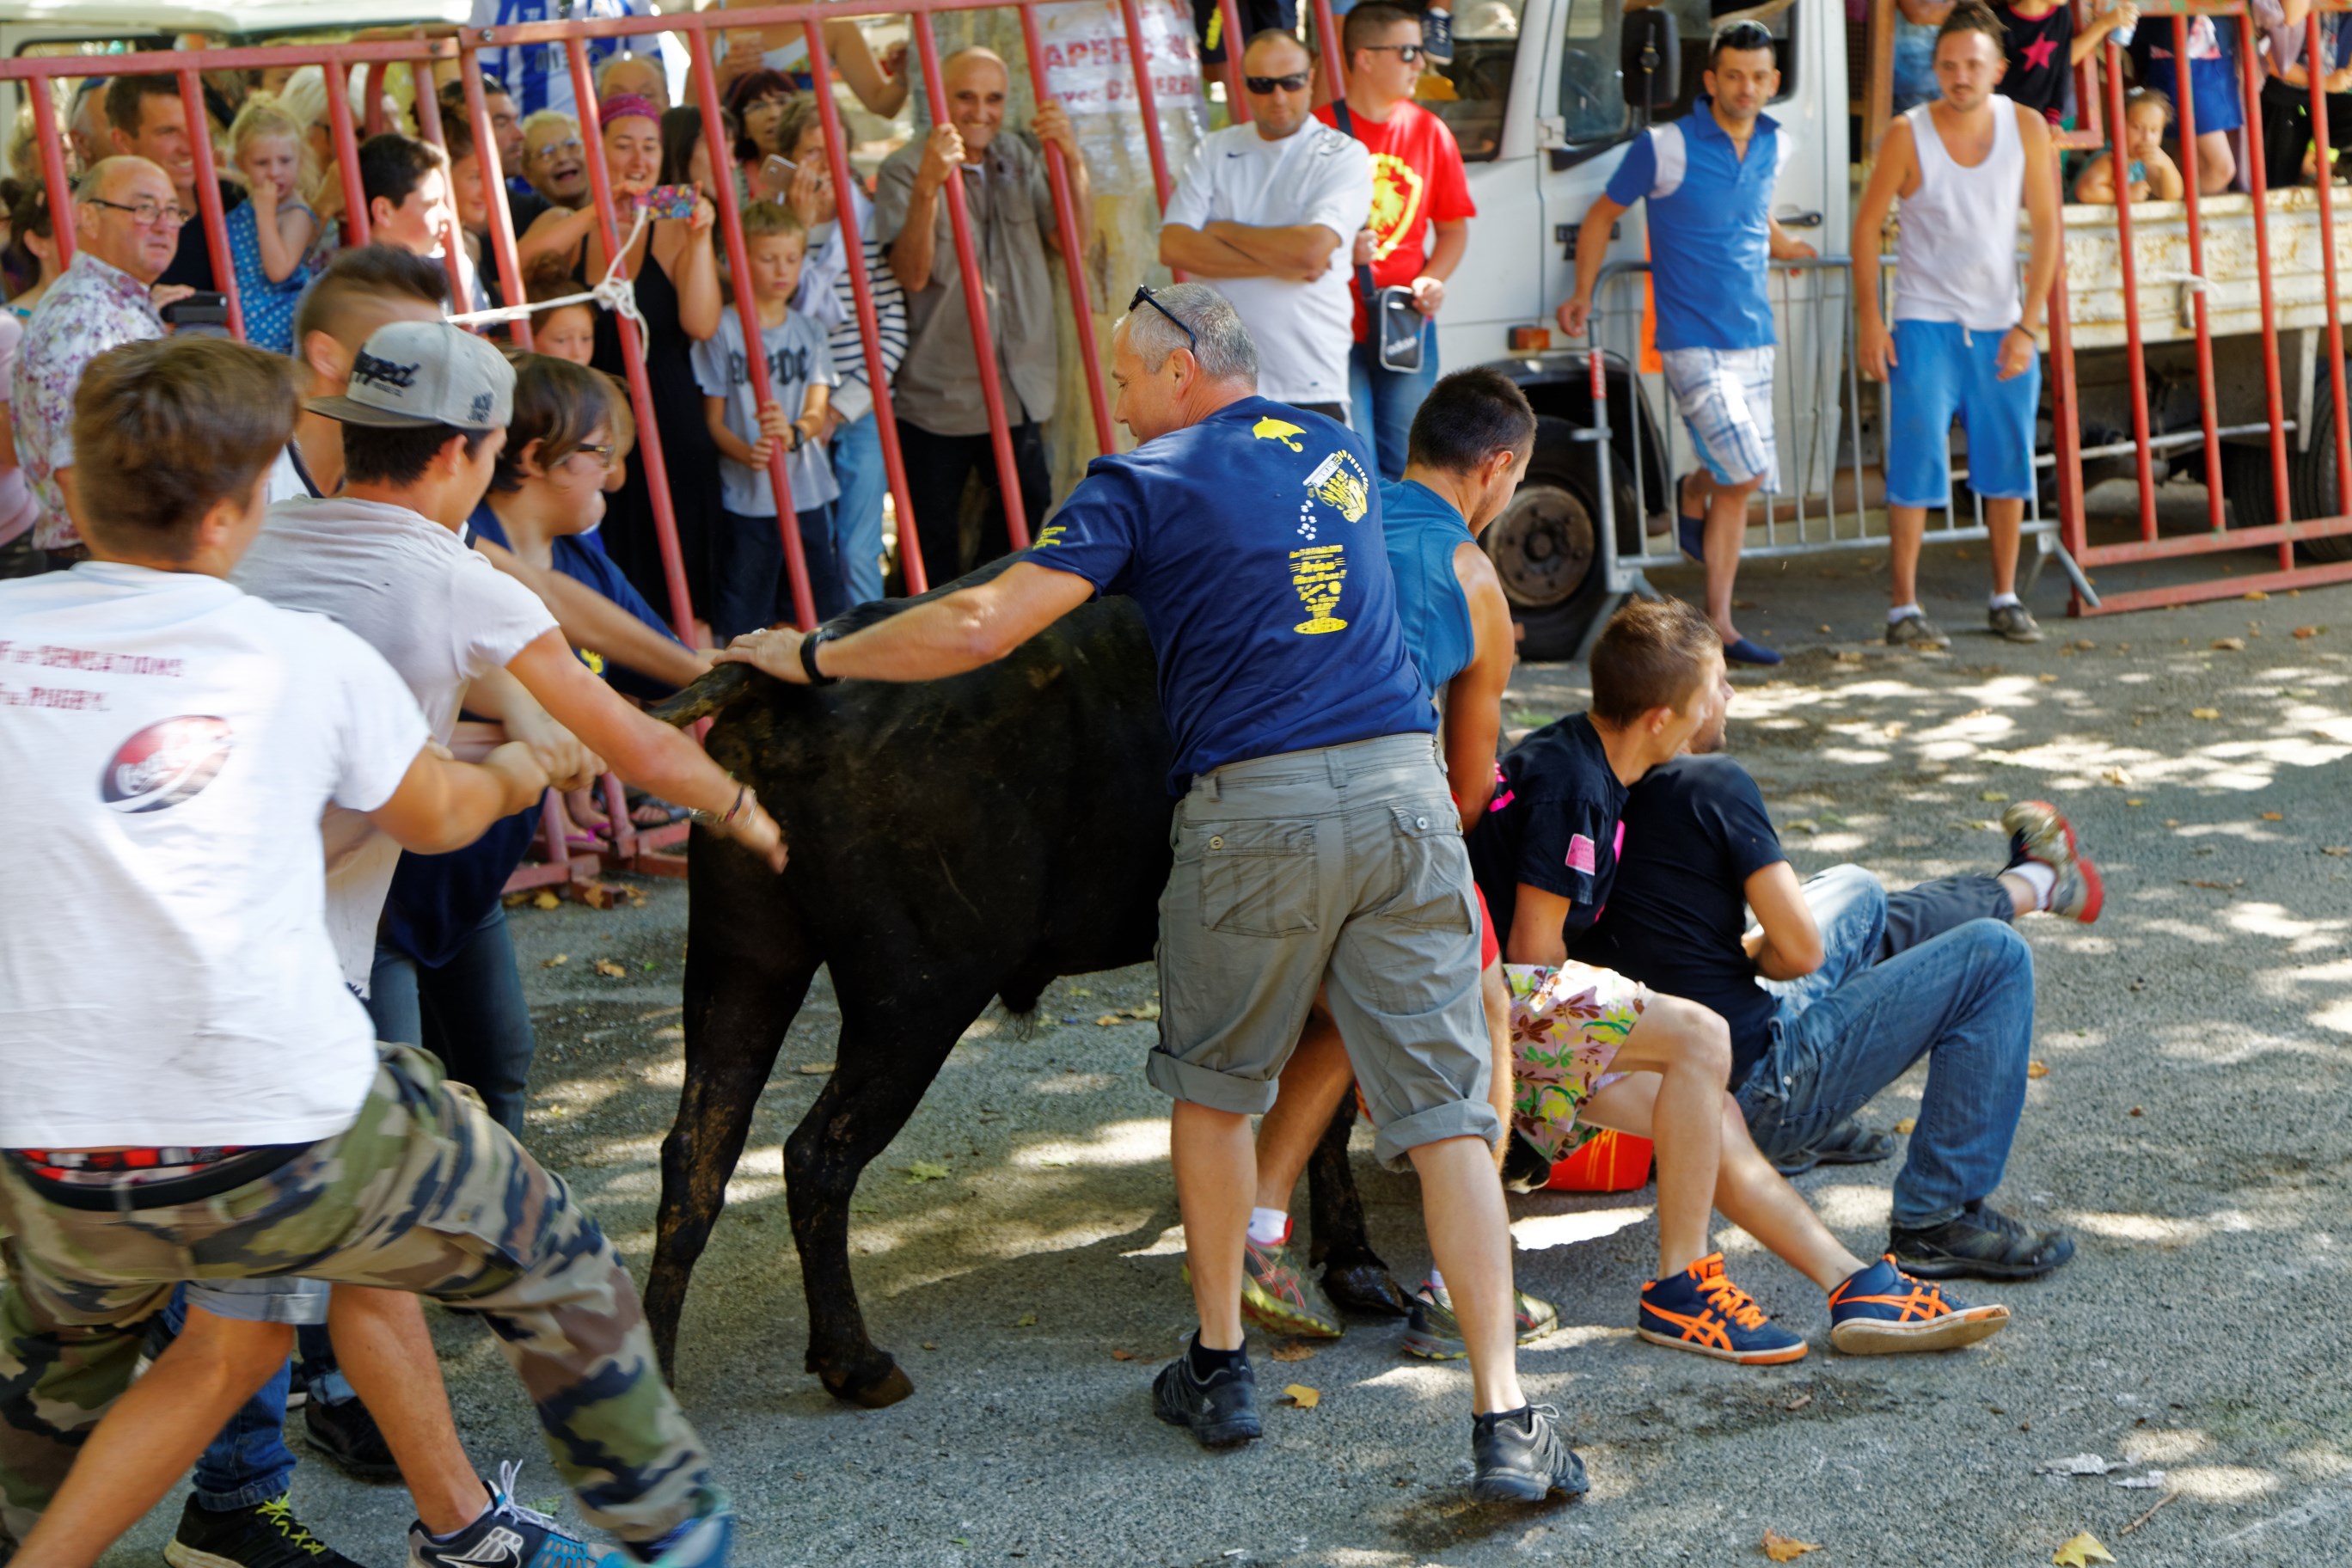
column 1843, row 987
column 1708, row 178
column 1315, row 845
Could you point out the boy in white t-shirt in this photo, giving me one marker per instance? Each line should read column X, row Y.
column 192, row 1089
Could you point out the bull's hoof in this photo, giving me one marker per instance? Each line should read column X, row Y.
column 1366, row 1288
column 882, row 1383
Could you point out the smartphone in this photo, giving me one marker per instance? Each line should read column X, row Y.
column 198, row 310
column 776, row 174
column 669, row 201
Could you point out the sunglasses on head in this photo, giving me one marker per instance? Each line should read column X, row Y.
column 1262, row 84
column 1744, row 36
column 1144, row 296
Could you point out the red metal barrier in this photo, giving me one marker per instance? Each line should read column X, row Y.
column 494, row 183
column 1066, row 217
column 1238, row 102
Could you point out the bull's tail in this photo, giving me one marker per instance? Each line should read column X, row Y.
column 710, row 694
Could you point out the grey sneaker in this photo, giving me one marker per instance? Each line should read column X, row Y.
column 1915, row 631
column 1522, row 1457
column 1432, row 1332
column 2014, row 622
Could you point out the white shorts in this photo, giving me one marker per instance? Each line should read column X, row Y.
column 1724, row 396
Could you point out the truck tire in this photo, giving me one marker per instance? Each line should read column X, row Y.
column 1546, row 544
column 2312, row 488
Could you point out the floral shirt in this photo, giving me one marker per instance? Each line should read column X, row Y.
column 94, row 307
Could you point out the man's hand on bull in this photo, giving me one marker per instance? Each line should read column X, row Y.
column 775, row 651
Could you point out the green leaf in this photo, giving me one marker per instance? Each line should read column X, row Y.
column 924, row 1171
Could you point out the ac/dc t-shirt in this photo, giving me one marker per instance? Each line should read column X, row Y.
column 1556, row 822
column 2040, row 59
column 1417, row 180
column 1699, row 831
column 1252, row 543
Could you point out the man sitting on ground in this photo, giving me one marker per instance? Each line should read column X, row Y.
column 1598, row 1049
column 1843, row 988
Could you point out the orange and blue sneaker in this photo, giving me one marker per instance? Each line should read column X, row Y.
column 1434, row 1333
column 1280, row 1297
column 2040, row 831
column 1883, row 1311
column 1700, row 1309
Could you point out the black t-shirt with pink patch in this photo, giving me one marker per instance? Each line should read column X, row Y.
column 2039, row 64
column 1556, row 822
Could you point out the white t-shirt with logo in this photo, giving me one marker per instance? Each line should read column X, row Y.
column 165, row 740
column 440, row 614
column 1315, row 175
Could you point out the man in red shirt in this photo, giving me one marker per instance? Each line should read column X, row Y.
column 1418, row 185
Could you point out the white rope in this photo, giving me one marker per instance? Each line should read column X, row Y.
column 614, row 293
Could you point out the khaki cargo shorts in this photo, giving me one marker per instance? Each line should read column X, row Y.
column 1340, row 868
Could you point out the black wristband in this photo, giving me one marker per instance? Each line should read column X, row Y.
column 808, row 658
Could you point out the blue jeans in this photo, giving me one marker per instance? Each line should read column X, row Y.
column 754, row 589
column 248, row 1462
column 857, row 469
column 470, row 1013
column 1381, row 403
column 1964, row 999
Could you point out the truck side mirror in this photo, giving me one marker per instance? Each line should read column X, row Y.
column 1650, row 54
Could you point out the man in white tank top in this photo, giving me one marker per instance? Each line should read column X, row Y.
column 1962, row 345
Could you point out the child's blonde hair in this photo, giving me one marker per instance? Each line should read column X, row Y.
column 261, row 116
column 762, row 218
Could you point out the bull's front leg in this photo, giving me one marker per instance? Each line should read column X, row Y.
column 1353, row 1275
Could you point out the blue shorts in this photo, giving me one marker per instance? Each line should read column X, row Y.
column 1943, row 371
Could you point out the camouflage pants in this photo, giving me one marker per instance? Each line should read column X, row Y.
column 423, row 1192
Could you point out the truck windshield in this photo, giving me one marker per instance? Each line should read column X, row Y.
column 1591, row 85
column 1469, row 95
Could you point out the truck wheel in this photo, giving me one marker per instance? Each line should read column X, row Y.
column 1546, row 545
column 2311, row 475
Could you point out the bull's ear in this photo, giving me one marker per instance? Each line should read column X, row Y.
column 709, row 695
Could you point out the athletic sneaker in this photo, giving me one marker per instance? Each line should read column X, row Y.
column 1883, row 1311
column 704, row 1540
column 1847, row 1143
column 1437, row 37
column 2040, row 831
column 1701, row 1310
column 1220, row 1411
column 2014, row 622
column 1281, row 1298
column 1526, row 1168
column 1522, row 1457
column 1434, row 1332
column 507, row 1535
column 1915, row 631
column 265, row 1535
column 1980, row 1243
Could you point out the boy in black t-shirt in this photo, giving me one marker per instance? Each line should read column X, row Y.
column 1597, row 1050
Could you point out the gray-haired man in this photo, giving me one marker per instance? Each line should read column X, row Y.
column 1315, row 843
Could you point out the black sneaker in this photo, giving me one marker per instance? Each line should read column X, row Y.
column 344, row 1431
column 1525, row 1167
column 1978, row 1243
column 1522, row 1457
column 265, row 1535
column 1221, row 1412
column 1847, row 1143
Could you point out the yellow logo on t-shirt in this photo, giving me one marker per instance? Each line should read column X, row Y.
column 1317, row 573
column 1050, row 534
column 1272, row 429
column 1397, row 189
column 1339, row 482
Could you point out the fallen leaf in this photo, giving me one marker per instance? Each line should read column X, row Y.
column 2081, row 1552
column 2338, row 850
column 1144, row 1011
column 1108, row 1018
column 2079, row 1464
column 1026, row 1320
column 610, row 970
column 1783, row 1548
column 2228, row 644
column 2306, row 631
column 926, row 1171
column 2275, row 816
column 1293, row 1350
column 2135, row 1110
column 2217, row 887
column 597, row 894
column 2204, row 712
column 1804, row 824
column 2152, row 1481
column 2118, row 777
column 2254, row 593
column 2047, row 677
column 557, row 961
column 1303, row 1396
column 1122, row 1355
column 1991, row 797
column 930, row 1345
column 2135, row 800
column 1823, row 630
column 1847, row 655
column 547, row 899
column 2037, row 1069
column 2086, row 644
column 813, row 1069
column 1798, row 1403
column 1907, row 1124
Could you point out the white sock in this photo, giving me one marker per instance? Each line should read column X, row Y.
column 2039, row 877
column 1904, row 613
column 2002, row 601
column 1266, row 1227
column 1436, row 1281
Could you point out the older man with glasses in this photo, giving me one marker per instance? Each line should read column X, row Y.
column 1266, row 216
column 127, row 220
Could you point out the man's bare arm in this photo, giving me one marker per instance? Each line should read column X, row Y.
column 590, row 620
column 1539, row 928
column 1298, row 250
column 1203, row 256
column 1473, row 698
column 947, row 635
column 1789, row 947
column 2042, row 214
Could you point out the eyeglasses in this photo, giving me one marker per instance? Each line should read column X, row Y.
column 146, row 214
column 600, row 450
column 550, row 149
column 1408, row 53
column 1144, row 296
column 1262, row 84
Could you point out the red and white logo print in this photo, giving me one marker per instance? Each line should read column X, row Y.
column 166, row 763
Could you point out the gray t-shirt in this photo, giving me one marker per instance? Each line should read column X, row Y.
column 797, row 359
column 440, row 614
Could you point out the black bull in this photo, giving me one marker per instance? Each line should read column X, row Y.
column 953, row 842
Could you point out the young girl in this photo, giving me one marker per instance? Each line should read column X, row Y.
column 2150, row 174
column 567, row 331
column 271, row 230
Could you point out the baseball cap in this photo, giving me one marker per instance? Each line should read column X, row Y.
column 414, row 374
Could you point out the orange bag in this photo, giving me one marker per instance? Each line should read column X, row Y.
column 1609, row 1161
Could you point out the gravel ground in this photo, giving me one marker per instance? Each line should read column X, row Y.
column 2190, row 1129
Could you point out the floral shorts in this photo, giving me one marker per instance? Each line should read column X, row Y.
column 1566, row 1026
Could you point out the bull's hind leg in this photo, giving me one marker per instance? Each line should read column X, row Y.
column 1353, row 1275
column 892, row 1043
column 745, row 979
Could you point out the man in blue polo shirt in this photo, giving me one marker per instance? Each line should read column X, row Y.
column 1708, row 178
column 1315, row 845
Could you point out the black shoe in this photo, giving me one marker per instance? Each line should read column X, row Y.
column 344, row 1431
column 265, row 1535
column 1221, row 1412
column 1524, row 1169
column 1522, row 1457
column 1978, row 1243
column 1847, row 1143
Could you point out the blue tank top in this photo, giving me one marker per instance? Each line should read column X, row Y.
column 1421, row 530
